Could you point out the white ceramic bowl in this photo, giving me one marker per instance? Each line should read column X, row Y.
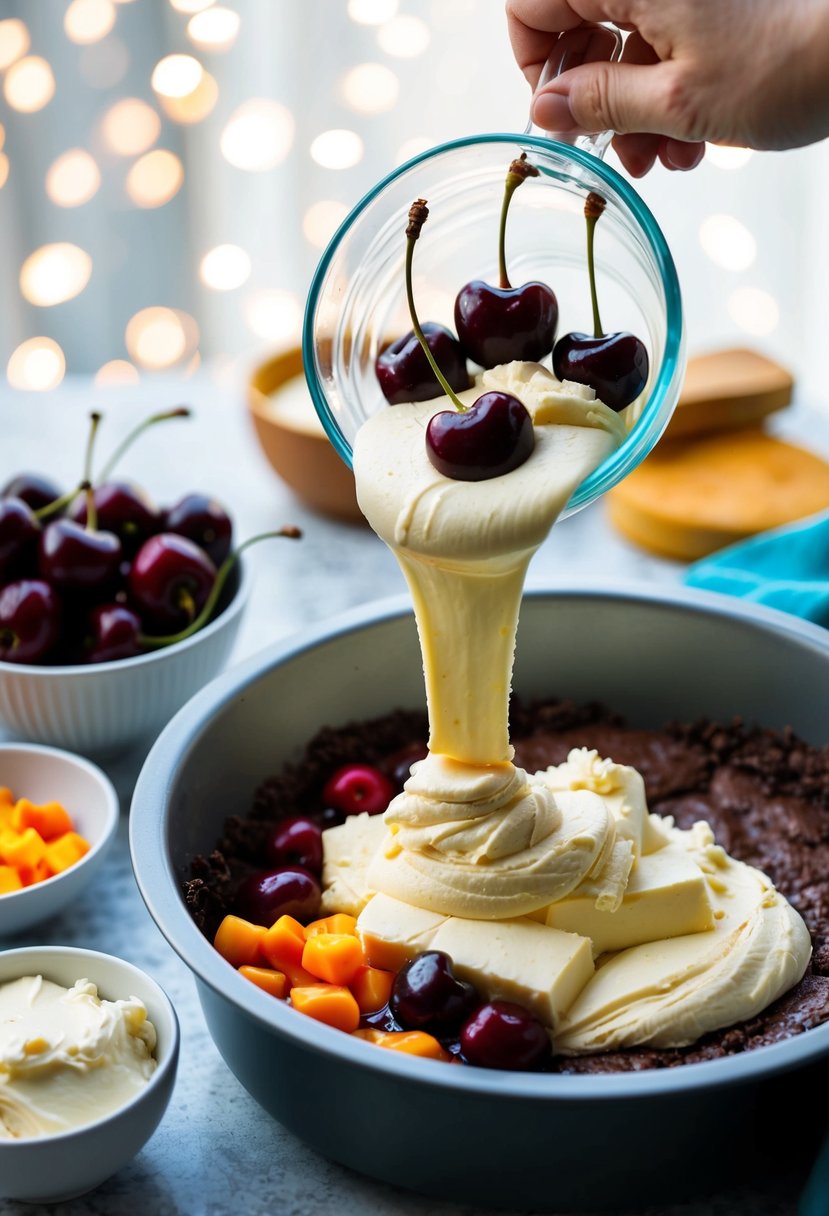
column 49, row 1169
column 104, row 708
column 44, row 774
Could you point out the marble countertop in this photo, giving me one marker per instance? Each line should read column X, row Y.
column 216, row 1151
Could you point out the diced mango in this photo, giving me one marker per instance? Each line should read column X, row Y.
column 238, row 941
column 25, row 848
column 273, row 982
column 283, row 946
column 333, row 957
column 63, row 852
column 9, row 880
column 412, row 1042
column 328, row 1003
column 6, row 796
column 371, row 988
column 339, row 922
column 50, row 819
column 36, row 873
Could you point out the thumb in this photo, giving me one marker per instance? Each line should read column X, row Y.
column 620, row 97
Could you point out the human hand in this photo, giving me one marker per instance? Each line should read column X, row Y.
column 748, row 72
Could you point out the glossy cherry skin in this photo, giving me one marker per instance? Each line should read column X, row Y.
column 404, row 372
column 496, row 324
column 34, row 490
column 494, row 436
column 615, row 365
column 72, row 559
column 169, row 581
column 357, row 788
column 204, row 521
column 114, row 632
column 29, row 621
column 19, row 532
column 427, row 994
column 288, row 891
column 503, row 1035
column 295, row 842
column 123, row 509
column 400, row 764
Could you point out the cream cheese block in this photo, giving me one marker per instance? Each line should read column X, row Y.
column 346, row 853
column 392, row 932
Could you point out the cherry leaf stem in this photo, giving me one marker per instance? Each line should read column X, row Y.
column 180, row 411
column 593, row 208
column 156, row 643
column 518, row 172
column 418, row 214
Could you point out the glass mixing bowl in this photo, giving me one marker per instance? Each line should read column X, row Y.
column 357, row 301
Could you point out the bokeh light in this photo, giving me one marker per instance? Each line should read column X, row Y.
column 413, row 147
column 337, row 149
column 37, row 365
column 215, row 29
column 116, row 371
column 176, row 75
column 104, row 64
column 4, row 169
column 155, row 178
column 29, row 84
column 258, row 135
column 55, row 273
column 158, row 338
column 195, row 106
column 72, row 179
column 370, row 88
column 274, row 315
column 225, row 267
column 727, row 158
column 754, row 310
column 371, row 12
column 2, row 135
column 190, row 6
column 14, row 41
column 727, row 242
column 321, row 221
column 88, row 20
column 131, row 126
column 404, row 37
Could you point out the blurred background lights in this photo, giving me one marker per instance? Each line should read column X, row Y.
column 404, row 37
column 72, row 179
column 29, row 84
column 321, row 221
column 2, row 135
column 337, row 149
column 274, row 315
column 155, row 178
column 215, row 29
column 104, row 64
column 88, row 20
column 176, row 75
column 754, row 310
column 225, row 267
column 370, row 88
column 4, row 169
column 190, row 6
column 258, row 135
column 131, row 126
column 371, row 12
column 413, row 147
column 157, row 338
column 116, row 371
column 727, row 158
column 14, row 41
column 37, row 364
column 195, row 106
column 54, row 274
column 727, row 242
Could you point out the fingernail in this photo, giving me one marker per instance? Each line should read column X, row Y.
column 551, row 112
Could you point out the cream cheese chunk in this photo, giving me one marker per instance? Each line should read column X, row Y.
column 67, row 1057
column 347, row 851
column 392, row 932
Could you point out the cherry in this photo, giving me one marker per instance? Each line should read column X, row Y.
column 404, row 372
column 614, row 365
column 170, row 580
column 427, row 994
column 29, row 621
column 120, row 508
column 268, row 894
column 399, row 765
column 328, row 817
column 503, row 1035
column 114, row 633
column 204, row 521
column 358, row 788
column 498, row 324
column 74, row 559
column 471, row 443
column 34, row 490
column 19, row 531
column 295, row 842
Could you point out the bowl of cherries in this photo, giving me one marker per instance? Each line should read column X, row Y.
column 113, row 611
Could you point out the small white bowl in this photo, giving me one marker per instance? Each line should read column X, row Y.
column 50, row 1169
column 44, row 774
column 104, row 708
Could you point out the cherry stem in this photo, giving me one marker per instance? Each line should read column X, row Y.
column 418, row 214
column 517, row 173
column 593, row 207
column 180, row 411
column 91, row 510
column 57, row 504
column 155, row 643
column 95, row 421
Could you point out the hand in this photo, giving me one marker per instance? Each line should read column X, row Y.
column 747, row 72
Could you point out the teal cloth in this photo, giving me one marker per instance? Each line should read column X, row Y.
column 786, row 568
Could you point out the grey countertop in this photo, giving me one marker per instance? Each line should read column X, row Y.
column 216, row 1151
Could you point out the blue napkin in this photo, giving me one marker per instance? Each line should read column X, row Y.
column 786, row 568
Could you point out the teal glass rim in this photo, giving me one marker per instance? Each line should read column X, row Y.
column 653, row 419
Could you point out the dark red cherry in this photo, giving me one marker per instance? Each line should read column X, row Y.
column 19, row 532
column 356, row 788
column 496, row 325
column 170, row 580
column 328, row 817
column 268, row 894
column 295, row 842
column 34, row 490
column 427, row 994
column 404, row 372
column 29, row 621
column 503, row 1035
column 114, row 632
column 494, row 436
column 73, row 559
column 120, row 508
column 614, row 365
column 204, row 521
column 399, row 765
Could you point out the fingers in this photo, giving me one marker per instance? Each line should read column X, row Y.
column 534, row 26
column 681, row 154
column 621, row 97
